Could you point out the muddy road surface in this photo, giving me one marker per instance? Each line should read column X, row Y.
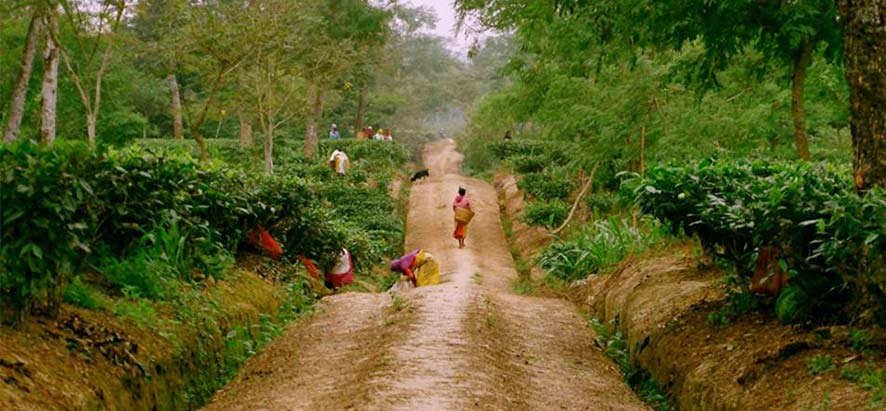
column 468, row 343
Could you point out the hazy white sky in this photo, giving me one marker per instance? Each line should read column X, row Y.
column 446, row 22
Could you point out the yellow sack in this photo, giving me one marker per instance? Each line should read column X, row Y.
column 426, row 269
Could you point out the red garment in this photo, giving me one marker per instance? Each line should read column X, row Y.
column 262, row 239
column 346, row 276
column 768, row 278
column 460, row 231
column 309, row 265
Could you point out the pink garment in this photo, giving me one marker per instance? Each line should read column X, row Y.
column 404, row 264
column 461, row 201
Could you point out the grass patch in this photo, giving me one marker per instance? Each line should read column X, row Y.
column 84, row 295
column 820, row 364
column 597, row 246
column 869, row 378
column 522, row 285
column 398, row 303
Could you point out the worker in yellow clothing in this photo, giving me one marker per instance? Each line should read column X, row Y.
column 419, row 266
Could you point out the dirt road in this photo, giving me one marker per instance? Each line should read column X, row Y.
column 469, row 343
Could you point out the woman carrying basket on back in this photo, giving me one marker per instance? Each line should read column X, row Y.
column 463, row 214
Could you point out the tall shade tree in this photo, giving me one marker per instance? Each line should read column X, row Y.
column 154, row 28
column 788, row 31
column 271, row 81
column 344, row 30
column 864, row 41
column 212, row 38
column 20, row 90
column 49, row 86
column 94, row 25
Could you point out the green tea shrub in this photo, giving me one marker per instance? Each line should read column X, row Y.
column 507, row 149
column 554, row 183
column 829, row 238
column 62, row 205
column 528, row 163
column 545, row 213
column 603, row 202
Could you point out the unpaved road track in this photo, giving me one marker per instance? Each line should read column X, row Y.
column 469, row 343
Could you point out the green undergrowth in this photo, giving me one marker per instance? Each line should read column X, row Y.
column 147, row 234
column 615, row 347
column 596, row 246
column 149, row 220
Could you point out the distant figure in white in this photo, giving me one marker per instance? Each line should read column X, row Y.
column 339, row 162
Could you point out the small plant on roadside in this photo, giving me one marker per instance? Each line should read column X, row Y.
column 84, row 295
column 597, row 246
column 739, row 301
column 820, row 364
column 860, row 340
column 398, row 303
column 869, row 378
column 522, row 285
column 616, row 348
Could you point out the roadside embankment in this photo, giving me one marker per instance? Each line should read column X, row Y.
column 675, row 317
column 163, row 358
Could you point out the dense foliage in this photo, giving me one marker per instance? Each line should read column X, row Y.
column 831, row 241
column 145, row 217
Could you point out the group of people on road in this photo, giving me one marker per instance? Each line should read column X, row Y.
column 418, row 267
column 381, row 134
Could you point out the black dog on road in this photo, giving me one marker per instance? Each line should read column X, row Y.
column 418, row 175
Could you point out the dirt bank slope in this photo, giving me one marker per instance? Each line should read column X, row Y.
column 663, row 305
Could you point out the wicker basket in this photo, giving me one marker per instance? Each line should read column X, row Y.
column 463, row 215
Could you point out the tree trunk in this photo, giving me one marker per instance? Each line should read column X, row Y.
column 798, row 113
column 315, row 99
column 90, row 128
column 201, row 142
column 178, row 130
column 361, row 109
column 17, row 101
column 269, row 148
column 864, row 47
column 49, row 89
column 245, row 130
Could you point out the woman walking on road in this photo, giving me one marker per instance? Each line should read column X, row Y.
column 462, row 209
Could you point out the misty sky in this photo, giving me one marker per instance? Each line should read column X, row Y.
column 446, row 15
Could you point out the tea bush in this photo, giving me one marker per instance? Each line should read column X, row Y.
column 553, row 183
column 148, row 217
column 545, row 213
column 528, row 163
column 829, row 239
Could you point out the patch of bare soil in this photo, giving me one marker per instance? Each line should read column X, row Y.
column 468, row 343
column 662, row 304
